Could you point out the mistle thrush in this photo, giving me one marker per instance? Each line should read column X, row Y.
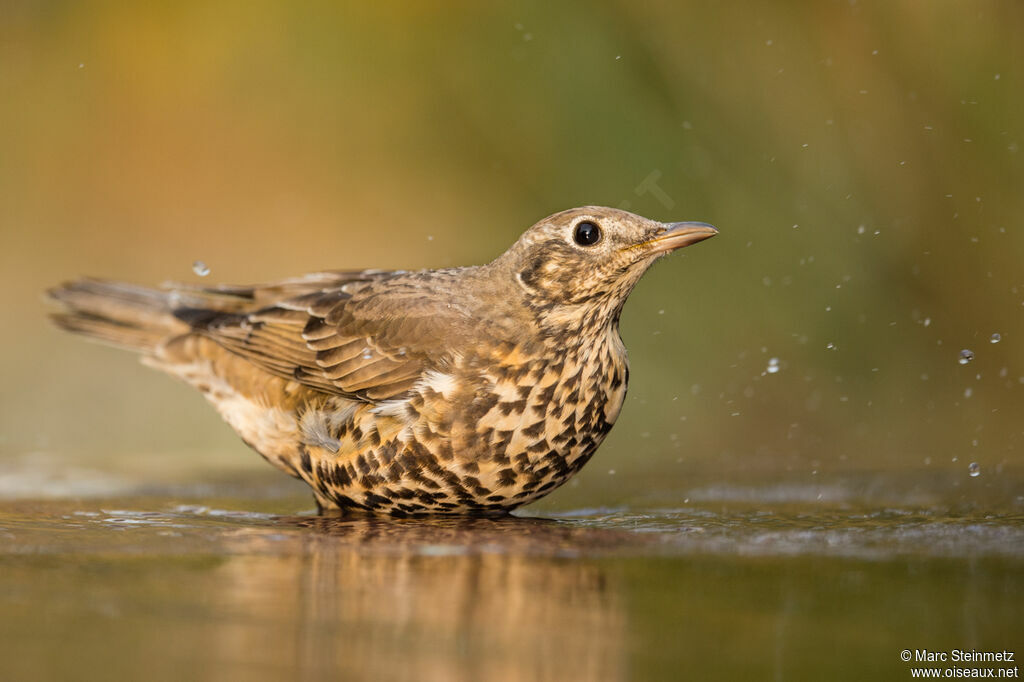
column 463, row 390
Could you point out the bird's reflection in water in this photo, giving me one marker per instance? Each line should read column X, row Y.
column 438, row 599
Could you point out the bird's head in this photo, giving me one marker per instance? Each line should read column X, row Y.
column 589, row 259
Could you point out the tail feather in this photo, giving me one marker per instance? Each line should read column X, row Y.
column 125, row 315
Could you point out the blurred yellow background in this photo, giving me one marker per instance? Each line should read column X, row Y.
column 862, row 161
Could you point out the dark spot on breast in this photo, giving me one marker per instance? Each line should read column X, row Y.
column 341, row 477
column 343, row 501
column 373, row 501
column 404, row 494
column 425, row 497
column 544, row 396
column 539, row 446
column 480, row 406
column 558, row 462
column 508, row 408
column 534, row 430
column 371, row 481
column 444, row 450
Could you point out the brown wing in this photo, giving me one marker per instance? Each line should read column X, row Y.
column 371, row 338
column 246, row 298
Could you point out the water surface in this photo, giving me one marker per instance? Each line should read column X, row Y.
column 216, row 586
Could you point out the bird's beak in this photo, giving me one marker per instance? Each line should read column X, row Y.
column 678, row 235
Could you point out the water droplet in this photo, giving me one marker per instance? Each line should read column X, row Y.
column 966, row 355
column 974, row 469
column 995, row 338
column 367, row 354
column 200, row 268
column 830, row 346
column 773, row 365
column 968, row 392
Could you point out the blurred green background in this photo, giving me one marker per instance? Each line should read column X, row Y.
column 862, row 161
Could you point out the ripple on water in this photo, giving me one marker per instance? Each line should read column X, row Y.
column 764, row 528
column 877, row 534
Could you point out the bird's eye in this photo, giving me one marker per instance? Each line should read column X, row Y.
column 587, row 233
